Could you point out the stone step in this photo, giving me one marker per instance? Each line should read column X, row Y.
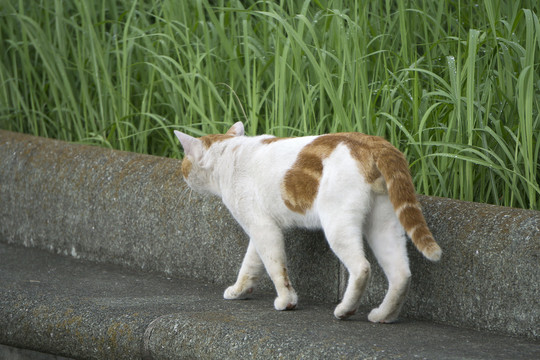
column 135, row 210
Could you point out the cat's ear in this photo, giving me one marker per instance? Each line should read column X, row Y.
column 236, row 130
column 192, row 146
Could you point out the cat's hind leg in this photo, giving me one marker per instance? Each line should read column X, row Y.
column 342, row 227
column 386, row 238
column 342, row 204
column 346, row 242
column 248, row 276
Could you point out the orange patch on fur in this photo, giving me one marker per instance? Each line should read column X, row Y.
column 410, row 217
column 286, row 280
column 301, row 182
column 208, row 140
column 273, row 140
column 299, row 189
column 186, row 167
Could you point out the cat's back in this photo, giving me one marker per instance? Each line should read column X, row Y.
column 279, row 152
column 283, row 153
column 292, row 169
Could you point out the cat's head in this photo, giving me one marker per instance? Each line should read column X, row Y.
column 201, row 157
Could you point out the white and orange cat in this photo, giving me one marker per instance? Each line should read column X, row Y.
column 350, row 185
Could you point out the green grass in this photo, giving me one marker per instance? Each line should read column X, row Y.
column 454, row 85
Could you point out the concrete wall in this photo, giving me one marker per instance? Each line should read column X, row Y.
column 135, row 210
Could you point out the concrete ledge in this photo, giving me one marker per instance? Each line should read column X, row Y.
column 135, row 210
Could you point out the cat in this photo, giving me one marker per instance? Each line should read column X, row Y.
column 349, row 185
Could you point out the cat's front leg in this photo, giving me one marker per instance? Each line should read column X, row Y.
column 287, row 298
column 268, row 240
column 248, row 276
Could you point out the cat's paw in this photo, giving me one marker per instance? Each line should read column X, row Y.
column 343, row 312
column 232, row 293
column 286, row 302
column 379, row 316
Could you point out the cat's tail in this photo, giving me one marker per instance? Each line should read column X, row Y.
column 394, row 168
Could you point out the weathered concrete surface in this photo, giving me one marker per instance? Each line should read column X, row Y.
column 135, row 210
column 75, row 308
column 13, row 353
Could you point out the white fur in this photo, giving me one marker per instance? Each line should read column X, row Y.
column 248, row 174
